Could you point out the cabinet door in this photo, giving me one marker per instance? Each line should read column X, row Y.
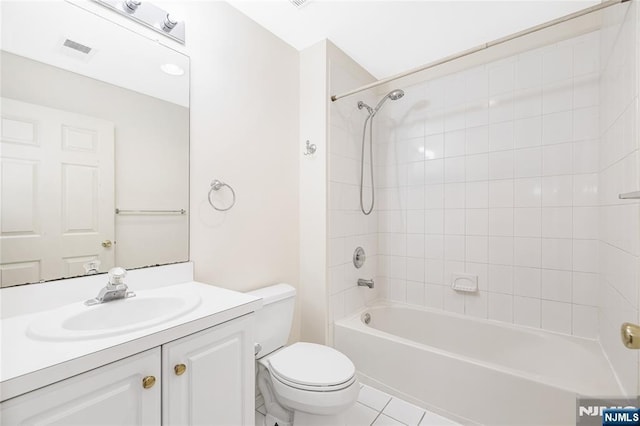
column 216, row 386
column 109, row 395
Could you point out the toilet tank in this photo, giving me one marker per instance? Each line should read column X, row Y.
column 274, row 320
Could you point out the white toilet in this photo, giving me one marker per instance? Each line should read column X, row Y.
column 303, row 384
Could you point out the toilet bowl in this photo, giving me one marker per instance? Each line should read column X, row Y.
column 304, row 383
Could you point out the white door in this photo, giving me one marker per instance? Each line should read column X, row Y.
column 56, row 193
column 209, row 377
column 109, row 395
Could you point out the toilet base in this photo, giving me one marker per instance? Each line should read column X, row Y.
column 300, row 418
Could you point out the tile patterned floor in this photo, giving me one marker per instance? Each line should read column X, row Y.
column 376, row 408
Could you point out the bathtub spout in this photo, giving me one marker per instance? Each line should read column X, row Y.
column 365, row 283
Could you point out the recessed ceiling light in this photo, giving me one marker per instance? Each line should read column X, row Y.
column 172, row 69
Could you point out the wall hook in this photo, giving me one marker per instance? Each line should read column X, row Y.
column 310, row 148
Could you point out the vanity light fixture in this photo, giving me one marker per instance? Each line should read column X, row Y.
column 131, row 5
column 169, row 23
column 172, row 69
column 150, row 15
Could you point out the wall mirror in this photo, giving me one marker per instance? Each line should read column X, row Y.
column 94, row 150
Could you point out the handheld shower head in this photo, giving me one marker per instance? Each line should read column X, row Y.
column 394, row 95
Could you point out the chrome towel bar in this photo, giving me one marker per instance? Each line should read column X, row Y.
column 635, row 195
column 122, row 211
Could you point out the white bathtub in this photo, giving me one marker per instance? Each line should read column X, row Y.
column 475, row 370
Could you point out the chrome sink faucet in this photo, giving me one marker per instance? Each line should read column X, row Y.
column 115, row 289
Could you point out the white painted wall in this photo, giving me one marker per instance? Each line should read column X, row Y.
column 244, row 131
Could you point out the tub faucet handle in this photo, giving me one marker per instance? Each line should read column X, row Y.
column 365, row 283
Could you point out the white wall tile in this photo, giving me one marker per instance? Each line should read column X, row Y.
column 500, row 307
column 454, row 195
column 527, row 252
column 454, row 222
column 434, row 296
column 500, row 279
column 557, row 97
column 475, row 304
column 501, row 136
column 501, row 222
column 434, row 146
column 477, row 140
column 477, row 195
column 527, row 192
column 528, row 162
column 526, row 311
column 477, row 222
column 585, row 255
column 454, row 247
column 529, row 70
column 557, row 64
column 453, row 301
column 585, row 321
column 434, row 271
column 434, row 196
column 556, row 285
column 586, row 123
column 502, row 77
column 434, row 171
column 557, row 253
column 501, row 193
column 501, row 165
column 557, row 159
column 557, row 222
column 557, row 127
column 585, row 190
column 528, row 132
column 585, row 289
column 556, row 316
column 557, row 191
column 527, row 281
column 501, row 250
column 454, row 143
column 476, row 249
column 527, row 222
column 477, row 167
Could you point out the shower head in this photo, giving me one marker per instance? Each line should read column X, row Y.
column 394, row 95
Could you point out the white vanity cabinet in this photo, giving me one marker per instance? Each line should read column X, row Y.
column 216, row 386
column 109, row 395
column 209, row 377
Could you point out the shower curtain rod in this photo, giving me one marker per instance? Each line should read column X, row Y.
column 483, row 46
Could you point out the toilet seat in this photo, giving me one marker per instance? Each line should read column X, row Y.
column 312, row 367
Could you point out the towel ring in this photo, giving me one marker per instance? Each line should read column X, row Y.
column 216, row 185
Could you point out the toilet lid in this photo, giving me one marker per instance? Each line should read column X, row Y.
column 313, row 365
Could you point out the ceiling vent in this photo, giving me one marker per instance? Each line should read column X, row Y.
column 299, row 3
column 77, row 46
column 75, row 50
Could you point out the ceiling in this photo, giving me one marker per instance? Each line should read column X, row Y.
column 389, row 37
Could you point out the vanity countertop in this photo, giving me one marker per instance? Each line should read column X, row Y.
column 28, row 363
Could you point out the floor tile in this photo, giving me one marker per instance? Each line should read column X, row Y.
column 432, row 419
column 262, row 409
column 360, row 415
column 404, row 412
column 259, row 419
column 373, row 398
column 383, row 420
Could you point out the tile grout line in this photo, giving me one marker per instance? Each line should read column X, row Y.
column 381, row 410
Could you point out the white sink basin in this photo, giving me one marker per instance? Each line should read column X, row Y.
column 78, row 321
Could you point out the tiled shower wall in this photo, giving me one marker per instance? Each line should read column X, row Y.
column 619, row 227
column 348, row 227
column 493, row 171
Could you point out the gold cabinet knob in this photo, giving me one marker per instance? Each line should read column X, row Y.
column 630, row 334
column 180, row 369
column 148, row 382
column 106, row 243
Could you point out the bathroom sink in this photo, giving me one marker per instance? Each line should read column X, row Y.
column 78, row 321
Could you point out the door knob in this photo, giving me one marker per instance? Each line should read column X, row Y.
column 180, row 369
column 630, row 334
column 106, row 243
column 148, row 382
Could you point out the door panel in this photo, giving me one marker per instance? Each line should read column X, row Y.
column 36, row 227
